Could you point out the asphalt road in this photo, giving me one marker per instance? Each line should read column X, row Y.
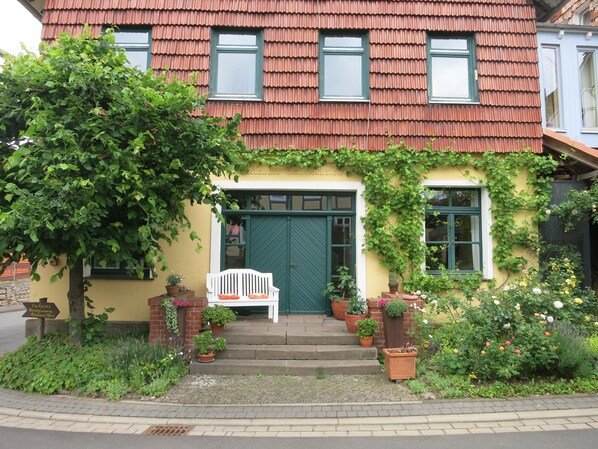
column 14, row 438
column 12, row 330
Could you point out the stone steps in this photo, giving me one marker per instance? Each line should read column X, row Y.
column 306, row 346
column 298, row 352
column 276, row 337
column 286, row 367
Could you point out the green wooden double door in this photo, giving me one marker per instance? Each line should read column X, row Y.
column 296, row 251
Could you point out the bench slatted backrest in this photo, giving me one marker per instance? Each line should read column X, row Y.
column 241, row 282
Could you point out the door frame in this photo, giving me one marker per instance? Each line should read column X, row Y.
column 304, row 186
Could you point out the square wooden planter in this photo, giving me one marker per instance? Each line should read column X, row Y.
column 399, row 365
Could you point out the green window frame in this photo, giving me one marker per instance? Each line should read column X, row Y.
column 344, row 68
column 451, row 66
column 453, row 230
column 137, row 44
column 116, row 271
column 237, row 65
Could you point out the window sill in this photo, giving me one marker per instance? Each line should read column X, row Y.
column 117, row 277
column 343, row 100
column 235, row 99
column 589, row 130
column 450, row 102
column 557, row 130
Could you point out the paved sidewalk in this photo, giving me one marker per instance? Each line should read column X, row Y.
column 438, row 417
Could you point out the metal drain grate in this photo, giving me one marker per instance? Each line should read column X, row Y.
column 171, row 431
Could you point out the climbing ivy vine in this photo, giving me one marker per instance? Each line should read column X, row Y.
column 396, row 201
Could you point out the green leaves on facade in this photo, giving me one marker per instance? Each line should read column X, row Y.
column 396, row 201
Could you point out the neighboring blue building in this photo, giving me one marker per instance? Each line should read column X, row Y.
column 568, row 56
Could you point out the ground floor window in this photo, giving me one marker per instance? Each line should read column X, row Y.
column 453, row 231
column 115, row 270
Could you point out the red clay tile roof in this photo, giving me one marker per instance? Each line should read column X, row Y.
column 507, row 118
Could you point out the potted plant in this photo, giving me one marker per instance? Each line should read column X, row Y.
column 393, row 284
column 218, row 316
column 357, row 309
column 392, row 319
column 207, row 346
column 173, row 284
column 366, row 330
column 341, row 291
column 171, row 313
column 400, row 363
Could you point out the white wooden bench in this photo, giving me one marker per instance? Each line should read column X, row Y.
column 243, row 288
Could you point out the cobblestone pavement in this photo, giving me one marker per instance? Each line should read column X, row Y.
column 433, row 417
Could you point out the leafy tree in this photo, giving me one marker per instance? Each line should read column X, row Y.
column 99, row 159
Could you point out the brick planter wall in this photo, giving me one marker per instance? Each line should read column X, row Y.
column 189, row 319
column 376, row 313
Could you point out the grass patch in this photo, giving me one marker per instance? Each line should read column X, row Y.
column 455, row 386
column 113, row 367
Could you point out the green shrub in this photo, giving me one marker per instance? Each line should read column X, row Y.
column 574, row 358
column 367, row 327
column 395, row 308
column 218, row 315
column 113, row 367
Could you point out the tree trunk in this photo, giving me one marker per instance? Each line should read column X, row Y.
column 76, row 302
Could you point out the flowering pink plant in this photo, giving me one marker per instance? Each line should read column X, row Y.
column 180, row 303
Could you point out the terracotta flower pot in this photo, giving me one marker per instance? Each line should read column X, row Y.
column 339, row 307
column 351, row 321
column 216, row 330
column 207, row 358
column 173, row 290
column 366, row 342
column 399, row 365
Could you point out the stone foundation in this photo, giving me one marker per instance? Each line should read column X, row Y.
column 14, row 292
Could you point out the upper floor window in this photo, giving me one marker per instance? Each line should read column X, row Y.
column 587, row 77
column 344, row 66
column 582, row 15
column 136, row 42
column 452, row 74
column 236, row 65
column 551, row 87
column 453, row 230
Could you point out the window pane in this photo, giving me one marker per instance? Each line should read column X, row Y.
column 235, row 231
column 464, row 198
column 450, row 77
column 137, row 58
column 131, row 37
column 437, row 228
column 467, row 257
column 343, row 41
column 467, row 228
column 341, row 256
column 343, row 76
column 342, row 202
column 238, row 39
column 341, row 230
column 438, row 198
column 448, row 44
column 234, row 257
column 587, row 73
column 551, row 87
column 437, row 257
column 309, row 202
column 236, row 73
